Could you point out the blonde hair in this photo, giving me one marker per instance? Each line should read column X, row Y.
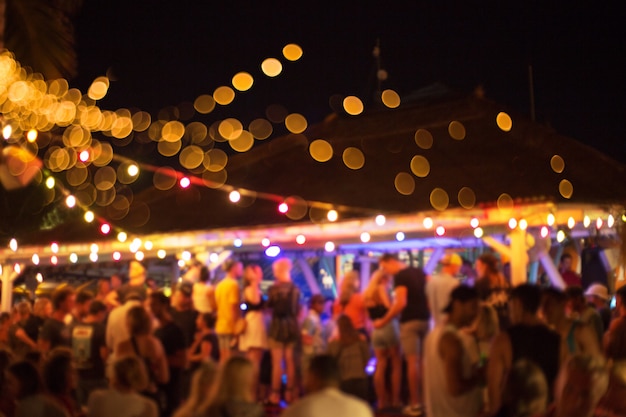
column 348, row 286
column 39, row 308
column 201, row 383
column 234, row 383
column 370, row 294
column 487, row 323
column 282, row 268
column 129, row 372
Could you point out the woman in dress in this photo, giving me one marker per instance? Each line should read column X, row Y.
column 254, row 339
column 284, row 332
column 385, row 342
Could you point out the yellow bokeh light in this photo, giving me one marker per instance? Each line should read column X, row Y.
column 420, row 166
column 173, row 131
column 505, row 202
column 105, row 178
column 261, row 129
column 141, row 121
column 467, row 198
column 204, row 104
column 504, row 122
column 390, row 99
column 230, row 129
column 296, row 123
column 404, row 183
column 353, row 105
column 191, row 156
column 297, row 207
column 224, row 95
column 31, row 136
column 98, row 88
column 243, row 143
column 292, row 52
column 169, row 148
column 164, row 178
column 456, row 130
column 214, row 179
column 424, row 139
column 242, row 81
column 566, row 189
column 271, row 67
column 439, row 199
column 321, row 150
column 557, row 164
column 353, row 158
column 215, row 160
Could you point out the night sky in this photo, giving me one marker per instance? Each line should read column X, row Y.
column 165, row 53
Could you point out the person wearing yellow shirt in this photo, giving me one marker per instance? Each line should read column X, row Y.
column 227, row 299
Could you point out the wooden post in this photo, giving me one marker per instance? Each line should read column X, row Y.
column 8, row 276
column 519, row 257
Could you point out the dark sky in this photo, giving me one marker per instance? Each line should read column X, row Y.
column 164, row 53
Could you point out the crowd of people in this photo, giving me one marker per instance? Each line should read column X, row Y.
column 442, row 347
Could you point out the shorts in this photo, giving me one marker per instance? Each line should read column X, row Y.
column 225, row 341
column 275, row 344
column 386, row 337
column 412, row 335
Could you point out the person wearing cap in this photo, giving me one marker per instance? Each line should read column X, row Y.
column 183, row 312
column 452, row 380
column 579, row 310
column 136, row 283
column 439, row 287
column 598, row 297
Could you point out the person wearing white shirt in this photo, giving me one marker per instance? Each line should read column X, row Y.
column 325, row 398
column 439, row 287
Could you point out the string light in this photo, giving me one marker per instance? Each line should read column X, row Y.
column 39, row 277
column 237, row 243
column 272, row 251
column 93, row 256
column 13, row 245
column 73, row 258
column 586, row 221
column 551, row 219
column 440, row 230
column 478, row 232
column 599, row 223
column 283, row 208
column 300, row 239
column 571, row 222
column 185, row 182
column 329, row 246
column 105, row 228
column 428, row 223
column 474, row 222
column 35, row 259
column 70, row 201
column 523, row 224
column 512, row 223
column 400, row 236
column 139, row 256
column 54, row 247
column 610, row 222
column 380, row 220
column 122, row 236
column 161, row 254
column 332, row 215
column 265, row 242
column 544, row 232
column 89, row 216
column 116, row 256
column 560, row 236
column 234, row 196
column 365, row 237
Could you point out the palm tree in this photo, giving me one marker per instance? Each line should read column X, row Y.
column 41, row 35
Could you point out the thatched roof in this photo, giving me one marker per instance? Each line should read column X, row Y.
column 488, row 161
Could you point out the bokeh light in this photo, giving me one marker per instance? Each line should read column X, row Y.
column 353, row 158
column 566, row 189
column 424, row 139
column 224, row 95
column 504, row 122
column 404, row 183
column 439, row 199
column 390, row 99
column 242, row 81
column 296, row 123
column 456, row 130
column 271, row 67
column 420, row 166
column 292, row 52
column 353, row 105
column 321, row 150
column 557, row 164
